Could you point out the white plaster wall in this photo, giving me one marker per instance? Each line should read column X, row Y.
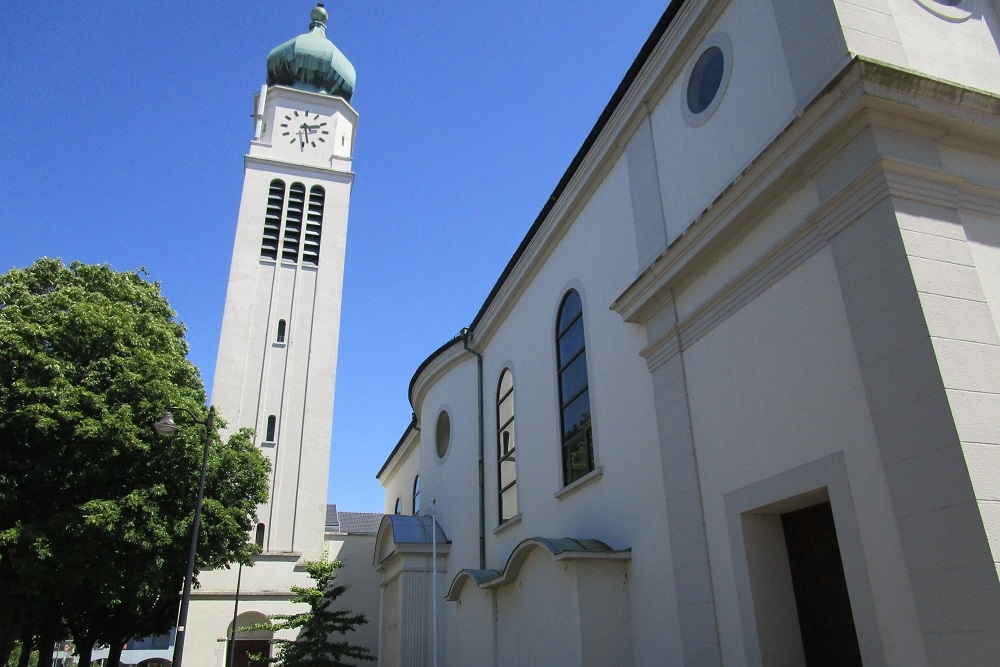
column 596, row 257
column 538, row 618
column 776, row 386
column 696, row 163
column 472, row 625
column 956, row 44
column 363, row 585
column 454, row 479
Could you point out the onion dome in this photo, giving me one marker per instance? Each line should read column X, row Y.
column 311, row 62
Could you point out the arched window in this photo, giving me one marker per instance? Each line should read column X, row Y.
column 574, row 391
column 314, row 226
column 399, row 506
column 280, row 337
column 293, row 223
column 506, row 467
column 272, row 219
column 259, row 539
column 416, row 496
column 272, row 422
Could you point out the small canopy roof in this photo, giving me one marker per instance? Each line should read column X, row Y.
column 561, row 548
column 408, row 533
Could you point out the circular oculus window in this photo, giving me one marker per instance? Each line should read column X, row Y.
column 442, row 434
column 708, row 79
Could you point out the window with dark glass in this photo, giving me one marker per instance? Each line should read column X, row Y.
column 272, row 422
column 272, row 219
column 259, row 538
column 416, row 496
column 399, row 506
column 506, row 466
column 574, row 391
column 280, row 337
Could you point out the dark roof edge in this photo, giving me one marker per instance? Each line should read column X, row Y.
column 413, row 425
column 633, row 71
column 425, row 363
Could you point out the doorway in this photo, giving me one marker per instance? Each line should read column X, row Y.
column 245, row 649
column 829, row 637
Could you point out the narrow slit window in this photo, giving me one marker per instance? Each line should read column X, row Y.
column 574, row 391
column 399, row 506
column 293, row 223
column 272, row 422
column 272, row 220
column 259, row 538
column 314, row 226
column 416, row 496
column 280, row 336
column 506, row 464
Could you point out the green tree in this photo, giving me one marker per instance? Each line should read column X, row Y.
column 95, row 509
column 314, row 645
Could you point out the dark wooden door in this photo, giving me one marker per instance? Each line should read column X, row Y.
column 829, row 637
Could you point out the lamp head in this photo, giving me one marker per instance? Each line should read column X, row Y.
column 166, row 426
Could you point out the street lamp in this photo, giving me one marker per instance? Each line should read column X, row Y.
column 167, row 428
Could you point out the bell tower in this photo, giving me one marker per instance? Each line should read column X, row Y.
column 277, row 362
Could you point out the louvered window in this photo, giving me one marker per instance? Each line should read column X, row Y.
column 314, row 226
column 293, row 223
column 272, row 220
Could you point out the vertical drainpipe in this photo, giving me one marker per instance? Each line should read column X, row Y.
column 466, row 336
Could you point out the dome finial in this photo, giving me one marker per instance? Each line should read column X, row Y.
column 318, row 16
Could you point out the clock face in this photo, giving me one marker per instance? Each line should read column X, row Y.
column 306, row 129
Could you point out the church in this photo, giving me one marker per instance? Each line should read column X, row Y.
column 735, row 399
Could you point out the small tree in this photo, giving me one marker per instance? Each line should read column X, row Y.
column 314, row 646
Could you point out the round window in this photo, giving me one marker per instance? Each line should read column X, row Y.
column 443, row 434
column 706, row 78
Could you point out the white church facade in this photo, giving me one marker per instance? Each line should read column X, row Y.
column 277, row 362
column 735, row 400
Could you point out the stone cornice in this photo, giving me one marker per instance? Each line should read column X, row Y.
column 280, row 166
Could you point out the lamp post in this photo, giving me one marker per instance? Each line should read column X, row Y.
column 167, row 428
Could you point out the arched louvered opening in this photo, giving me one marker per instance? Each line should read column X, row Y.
column 272, row 220
column 314, row 226
column 293, row 223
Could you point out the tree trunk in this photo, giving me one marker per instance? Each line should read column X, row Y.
column 27, row 643
column 46, row 642
column 85, row 650
column 6, row 646
column 115, row 654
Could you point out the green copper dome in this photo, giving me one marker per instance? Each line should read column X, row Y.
column 311, row 62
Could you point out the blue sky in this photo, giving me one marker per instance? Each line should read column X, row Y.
column 124, row 125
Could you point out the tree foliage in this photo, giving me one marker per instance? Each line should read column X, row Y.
column 314, row 646
column 95, row 509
